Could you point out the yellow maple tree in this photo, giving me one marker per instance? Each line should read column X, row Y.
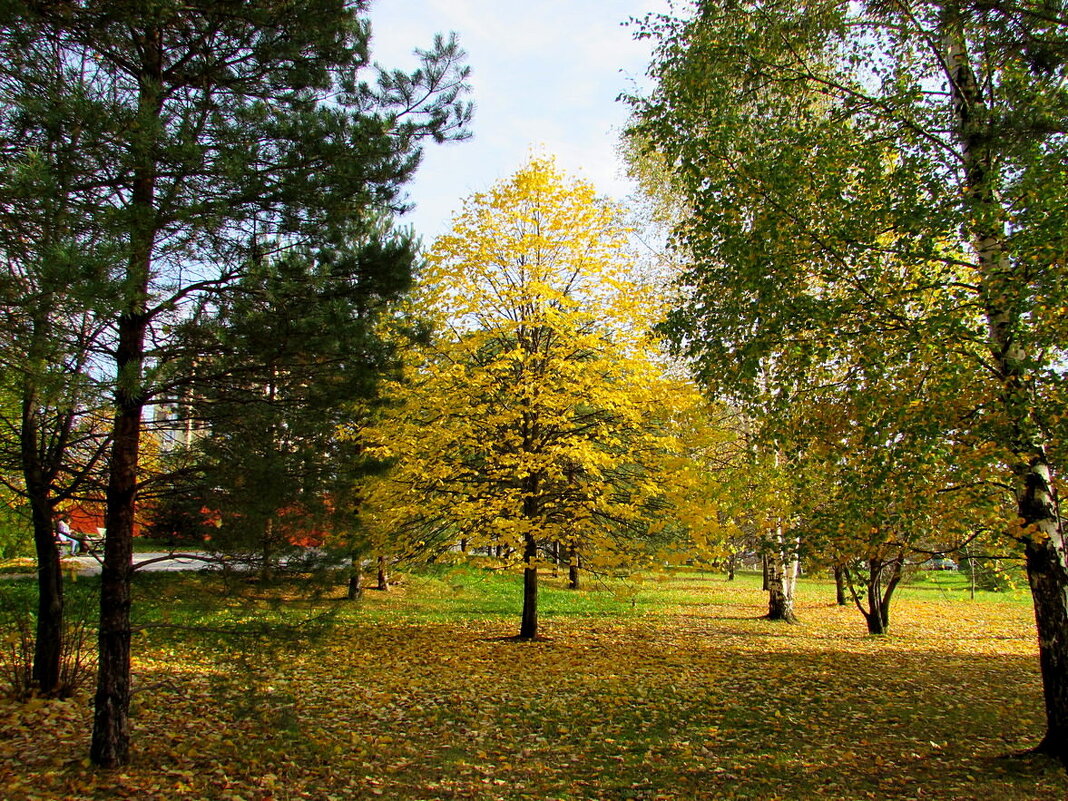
column 541, row 415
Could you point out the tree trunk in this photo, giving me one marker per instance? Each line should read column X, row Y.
column 793, row 570
column 876, row 625
column 383, row 574
column 356, row 579
column 839, row 585
column 111, row 726
column 780, row 576
column 780, row 589
column 1049, row 584
column 574, row 564
column 111, row 730
column 43, row 444
column 877, row 615
column 895, row 576
column 528, row 628
column 1000, row 279
column 48, row 646
column 266, row 553
column 732, row 561
column 883, row 578
column 1047, row 574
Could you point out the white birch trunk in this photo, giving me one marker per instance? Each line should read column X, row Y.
column 1041, row 532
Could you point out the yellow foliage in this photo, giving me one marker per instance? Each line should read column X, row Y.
column 542, row 407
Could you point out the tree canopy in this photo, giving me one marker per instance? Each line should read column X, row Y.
column 194, row 133
column 541, row 412
column 877, row 192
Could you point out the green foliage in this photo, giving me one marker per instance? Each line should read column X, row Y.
column 77, row 661
column 871, row 269
column 192, row 134
column 284, row 363
column 52, row 284
column 831, row 229
column 16, row 535
column 77, row 658
column 153, row 152
column 994, row 575
column 178, row 518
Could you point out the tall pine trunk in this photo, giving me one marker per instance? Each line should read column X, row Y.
column 267, row 550
column 111, row 730
column 48, row 646
column 111, row 725
column 41, row 454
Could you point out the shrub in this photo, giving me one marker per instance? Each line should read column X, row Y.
column 77, row 659
column 994, row 575
column 16, row 537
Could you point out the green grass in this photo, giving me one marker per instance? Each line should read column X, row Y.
column 668, row 687
column 957, row 584
column 18, row 566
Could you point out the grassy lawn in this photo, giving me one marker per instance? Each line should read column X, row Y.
column 668, row 687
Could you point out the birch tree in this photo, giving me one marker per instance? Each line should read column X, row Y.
column 887, row 177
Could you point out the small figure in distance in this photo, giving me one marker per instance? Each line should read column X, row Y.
column 63, row 535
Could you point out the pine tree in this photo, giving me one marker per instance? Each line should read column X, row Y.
column 55, row 252
column 222, row 123
column 288, row 359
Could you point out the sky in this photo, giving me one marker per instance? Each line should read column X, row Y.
column 545, row 77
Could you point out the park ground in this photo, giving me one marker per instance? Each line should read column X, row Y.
column 664, row 687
